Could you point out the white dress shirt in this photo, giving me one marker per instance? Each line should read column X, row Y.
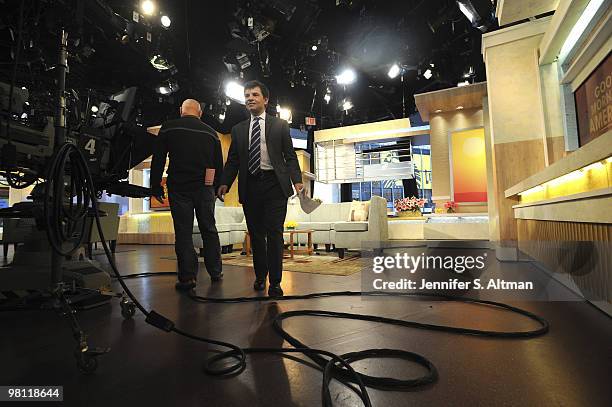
column 266, row 165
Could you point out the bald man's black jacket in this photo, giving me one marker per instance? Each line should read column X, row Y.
column 192, row 146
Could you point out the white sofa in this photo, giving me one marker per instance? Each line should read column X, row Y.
column 231, row 226
column 329, row 222
column 331, row 226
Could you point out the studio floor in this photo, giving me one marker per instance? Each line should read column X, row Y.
column 569, row 366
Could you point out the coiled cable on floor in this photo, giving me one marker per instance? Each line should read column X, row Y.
column 333, row 366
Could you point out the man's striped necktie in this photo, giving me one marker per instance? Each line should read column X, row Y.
column 255, row 148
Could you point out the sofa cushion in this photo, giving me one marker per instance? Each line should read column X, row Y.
column 326, row 213
column 359, row 211
column 237, row 227
column 228, row 214
column 315, row 225
column 296, row 214
column 345, row 210
column 224, row 228
column 351, row 226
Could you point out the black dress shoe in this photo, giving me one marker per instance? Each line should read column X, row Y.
column 259, row 285
column 216, row 278
column 185, row 284
column 275, row 290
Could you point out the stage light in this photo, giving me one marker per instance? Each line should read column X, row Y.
column 228, row 102
column 235, row 91
column 479, row 12
column 147, row 7
column 94, row 109
column 314, row 48
column 284, row 113
column 164, row 90
column 347, row 77
column 428, row 74
column 468, row 10
column 160, row 63
column 327, row 96
column 394, row 71
column 165, row 21
column 459, row 107
column 347, row 105
column 222, row 116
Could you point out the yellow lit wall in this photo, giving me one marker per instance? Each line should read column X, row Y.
column 590, row 178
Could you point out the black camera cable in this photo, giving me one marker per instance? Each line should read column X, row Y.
column 333, row 366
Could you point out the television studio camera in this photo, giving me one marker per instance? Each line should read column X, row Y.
column 69, row 165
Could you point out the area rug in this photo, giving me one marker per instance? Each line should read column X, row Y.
column 324, row 264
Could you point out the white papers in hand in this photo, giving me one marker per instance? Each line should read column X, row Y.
column 308, row 205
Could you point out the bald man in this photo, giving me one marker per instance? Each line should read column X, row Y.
column 194, row 172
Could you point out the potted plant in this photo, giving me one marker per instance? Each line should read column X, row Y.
column 450, row 206
column 409, row 207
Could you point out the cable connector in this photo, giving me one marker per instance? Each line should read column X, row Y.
column 159, row 321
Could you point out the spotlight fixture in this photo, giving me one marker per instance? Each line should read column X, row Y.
column 347, row 77
column 165, row 21
column 428, row 74
column 160, row 63
column 327, row 96
column 164, row 90
column 235, row 91
column 148, row 7
column 480, row 13
column 228, row 102
column 167, row 87
column 347, row 105
column 394, row 71
column 284, row 113
column 221, row 117
column 94, row 109
column 314, row 48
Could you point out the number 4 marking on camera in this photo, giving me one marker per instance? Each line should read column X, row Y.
column 91, row 146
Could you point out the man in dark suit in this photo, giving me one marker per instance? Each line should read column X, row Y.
column 194, row 173
column 262, row 155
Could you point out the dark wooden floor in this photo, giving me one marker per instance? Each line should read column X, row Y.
column 570, row 366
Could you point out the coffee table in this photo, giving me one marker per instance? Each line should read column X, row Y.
column 292, row 250
column 296, row 232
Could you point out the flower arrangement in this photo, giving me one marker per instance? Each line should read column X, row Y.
column 290, row 224
column 450, row 206
column 409, row 205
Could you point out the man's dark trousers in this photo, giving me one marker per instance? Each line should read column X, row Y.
column 265, row 209
column 182, row 205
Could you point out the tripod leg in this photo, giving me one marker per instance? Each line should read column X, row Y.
column 86, row 357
